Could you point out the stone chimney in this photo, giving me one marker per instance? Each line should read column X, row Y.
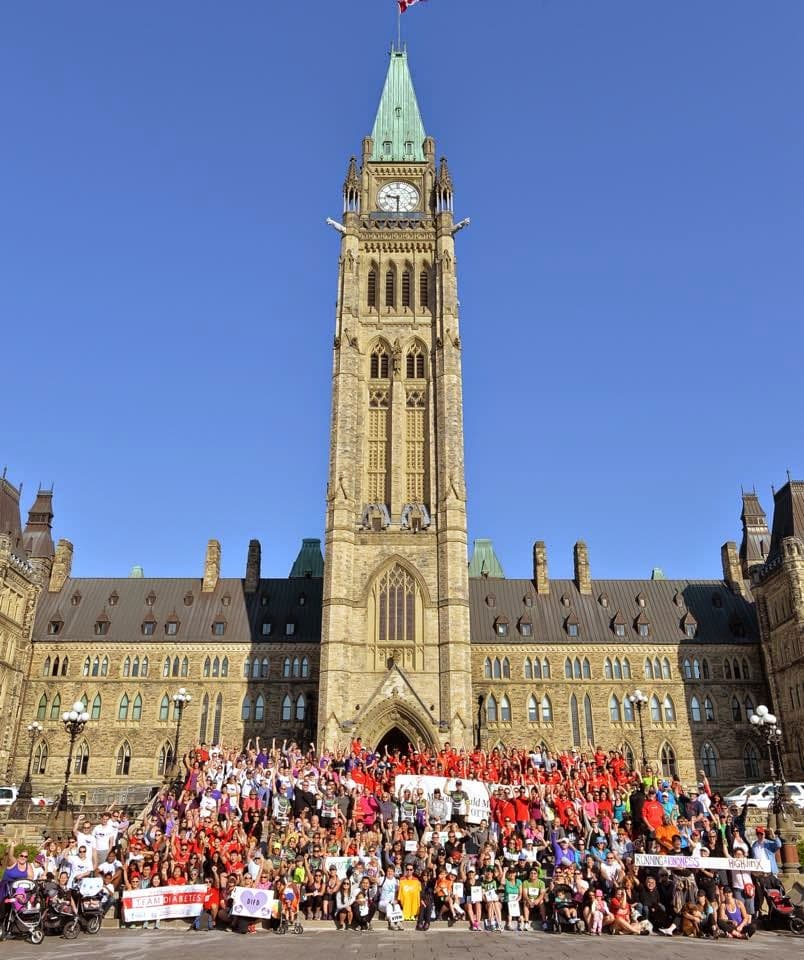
column 583, row 577
column 62, row 566
column 732, row 568
column 253, row 563
column 540, row 576
column 212, row 567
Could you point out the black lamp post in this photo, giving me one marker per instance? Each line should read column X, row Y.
column 765, row 722
column 638, row 699
column 74, row 721
column 180, row 700
column 26, row 790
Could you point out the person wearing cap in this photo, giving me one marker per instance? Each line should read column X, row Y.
column 460, row 803
column 764, row 849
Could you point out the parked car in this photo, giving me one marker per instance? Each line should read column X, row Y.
column 738, row 794
column 9, row 794
column 764, row 798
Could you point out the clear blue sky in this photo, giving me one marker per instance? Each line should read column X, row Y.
column 632, row 286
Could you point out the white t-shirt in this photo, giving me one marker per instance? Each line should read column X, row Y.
column 86, row 839
column 105, row 836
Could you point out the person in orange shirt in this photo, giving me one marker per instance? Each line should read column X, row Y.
column 664, row 834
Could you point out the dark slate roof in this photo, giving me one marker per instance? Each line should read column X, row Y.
column 722, row 616
column 123, row 601
column 788, row 515
column 310, row 561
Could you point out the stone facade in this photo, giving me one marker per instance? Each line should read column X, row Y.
column 23, row 564
column 778, row 586
column 395, row 652
column 397, row 636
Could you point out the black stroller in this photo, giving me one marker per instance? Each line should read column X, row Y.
column 783, row 911
column 59, row 911
column 89, row 893
column 23, row 912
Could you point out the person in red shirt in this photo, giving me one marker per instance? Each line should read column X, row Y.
column 652, row 811
column 521, row 807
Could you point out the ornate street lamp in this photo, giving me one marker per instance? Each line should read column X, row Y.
column 180, row 700
column 26, row 790
column 638, row 699
column 765, row 722
column 74, row 722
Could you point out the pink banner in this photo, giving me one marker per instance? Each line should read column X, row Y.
column 163, row 903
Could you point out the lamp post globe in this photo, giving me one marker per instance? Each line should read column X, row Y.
column 181, row 699
column 767, row 724
column 74, row 721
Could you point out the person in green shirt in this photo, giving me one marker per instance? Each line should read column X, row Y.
column 512, row 894
column 533, row 897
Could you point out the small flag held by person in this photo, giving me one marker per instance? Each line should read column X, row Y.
column 404, row 4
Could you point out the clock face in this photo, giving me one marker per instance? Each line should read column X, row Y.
column 398, row 197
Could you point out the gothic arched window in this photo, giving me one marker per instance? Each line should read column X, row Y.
column 666, row 671
column 208, row 666
column 301, row 707
column 96, row 708
column 305, row 667
column 123, row 762
column 614, row 709
column 136, row 709
column 547, row 710
column 407, row 285
column 378, row 366
column 752, row 765
column 668, row 761
column 46, row 667
column 165, row 758
column 648, row 670
column 287, row 707
column 533, row 709
column 491, row 708
column 202, row 727
column 216, row 722
column 122, row 710
column 546, row 668
column 81, row 759
column 371, row 287
column 424, row 287
column 265, row 668
column 55, row 708
column 39, row 765
column 736, row 710
column 709, row 761
column 709, row 710
column 225, row 667
column 414, row 363
column 127, row 667
column 655, row 709
column 505, row 709
column 575, row 723
column 216, row 667
column 245, row 710
column 259, row 709
column 669, row 710
column 695, row 710
column 41, row 712
column 135, row 667
column 164, row 708
column 487, row 668
column 628, row 710
column 390, row 286
column 506, row 668
column 588, row 721
column 396, row 606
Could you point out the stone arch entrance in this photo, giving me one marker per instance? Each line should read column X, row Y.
column 396, row 724
column 393, row 740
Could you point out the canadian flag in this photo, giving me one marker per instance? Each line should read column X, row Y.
column 404, row 4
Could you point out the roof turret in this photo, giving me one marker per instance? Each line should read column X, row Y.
column 37, row 537
column 484, row 562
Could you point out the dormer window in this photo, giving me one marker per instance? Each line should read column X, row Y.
column 148, row 628
column 603, row 600
column 266, row 628
column 386, row 147
column 75, row 599
column 641, row 600
column 226, row 600
column 678, row 599
column 525, row 627
column 188, row 599
column 501, row 626
column 54, row 627
column 571, row 625
column 717, row 600
column 218, row 628
column 528, row 599
column 565, row 600
column 172, row 626
column 491, row 600
column 101, row 626
column 642, row 625
column 263, row 601
column 689, row 625
column 151, row 599
column 302, row 599
column 113, row 599
column 619, row 629
column 290, row 628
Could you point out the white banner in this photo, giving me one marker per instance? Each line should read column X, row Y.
column 249, row 902
column 163, row 903
column 476, row 791
column 696, row 863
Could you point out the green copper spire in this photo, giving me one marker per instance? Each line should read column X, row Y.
column 484, row 562
column 310, row 562
column 398, row 130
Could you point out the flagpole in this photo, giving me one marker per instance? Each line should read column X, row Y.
column 399, row 27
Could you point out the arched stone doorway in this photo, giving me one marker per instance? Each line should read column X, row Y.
column 396, row 724
column 395, row 739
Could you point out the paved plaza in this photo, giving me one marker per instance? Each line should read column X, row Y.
column 382, row 945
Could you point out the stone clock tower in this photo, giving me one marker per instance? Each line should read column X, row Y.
column 395, row 655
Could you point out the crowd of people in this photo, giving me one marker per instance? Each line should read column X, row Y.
column 336, row 837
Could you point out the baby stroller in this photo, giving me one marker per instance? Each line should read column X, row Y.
column 58, row 915
column 783, row 911
column 90, row 905
column 562, row 900
column 23, row 912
